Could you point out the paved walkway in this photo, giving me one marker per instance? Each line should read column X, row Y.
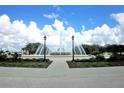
column 59, row 75
column 59, row 67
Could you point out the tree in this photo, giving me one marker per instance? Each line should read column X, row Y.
column 31, row 47
column 116, row 52
column 115, row 49
column 93, row 49
column 15, row 56
column 3, row 56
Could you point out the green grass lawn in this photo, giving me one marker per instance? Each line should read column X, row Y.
column 87, row 64
column 29, row 64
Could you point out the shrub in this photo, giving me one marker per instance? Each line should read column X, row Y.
column 116, row 57
column 86, row 60
column 112, row 58
column 88, row 64
column 120, row 57
column 35, row 60
column 3, row 57
column 100, row 58
column 15, row 56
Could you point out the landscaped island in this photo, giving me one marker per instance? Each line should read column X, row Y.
column 99, row 61
column 16, row 61
column 30, row 63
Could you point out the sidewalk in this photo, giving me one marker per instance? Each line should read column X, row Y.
column 58, row 67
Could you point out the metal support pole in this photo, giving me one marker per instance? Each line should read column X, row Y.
column 73, row 48
column 44, row 48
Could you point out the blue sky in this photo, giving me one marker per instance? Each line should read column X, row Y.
column 90, row 16
column 103, row 25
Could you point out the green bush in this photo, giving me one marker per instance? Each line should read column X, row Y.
column 88, row 64
column 116, row 58
column 86, row 60
column 100, row 58
column 112, row 58
column 35, row 60
column 97, row 59
column 3, row 57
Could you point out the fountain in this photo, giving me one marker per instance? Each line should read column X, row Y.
column 53, row 50
column 64, row 47
column 61, row 47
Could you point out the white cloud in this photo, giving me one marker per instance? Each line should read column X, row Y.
column 119, row 18
column 71, row 31
column 83, row 28
column 51, row 16
column 66, row 22
column 102, row 35
column 58, row 25
column 15, row 35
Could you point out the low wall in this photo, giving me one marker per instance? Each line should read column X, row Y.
column 56, row 56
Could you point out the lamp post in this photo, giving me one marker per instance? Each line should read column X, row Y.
column 73, row 48
column 44, row 48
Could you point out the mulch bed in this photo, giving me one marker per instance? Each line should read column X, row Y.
column 117, row 63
